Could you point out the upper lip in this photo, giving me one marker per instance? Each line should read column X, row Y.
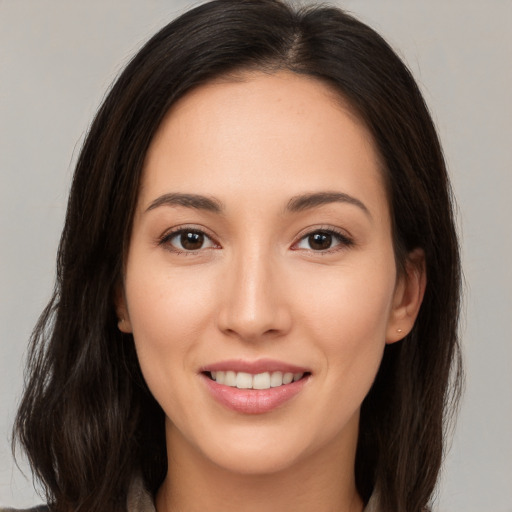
column 254, row 367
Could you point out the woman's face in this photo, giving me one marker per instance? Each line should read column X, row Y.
column 261, row 252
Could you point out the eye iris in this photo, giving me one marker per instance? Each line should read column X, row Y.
column 320, row 241
column 191, row 240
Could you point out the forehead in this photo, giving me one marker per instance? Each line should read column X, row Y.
column 270, row 133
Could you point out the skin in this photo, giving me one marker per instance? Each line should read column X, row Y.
column 257, row 288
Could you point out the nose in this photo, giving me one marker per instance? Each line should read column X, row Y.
column 255, row 299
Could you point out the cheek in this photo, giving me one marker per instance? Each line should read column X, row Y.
column 167, row 311
column 164, row 304
column 347, row 313
column 349, row 302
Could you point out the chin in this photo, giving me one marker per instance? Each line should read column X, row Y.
column 266, row 448
column 255, row 460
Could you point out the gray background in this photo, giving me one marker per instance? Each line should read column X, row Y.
column 57, row 58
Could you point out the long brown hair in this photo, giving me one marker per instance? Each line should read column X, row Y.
column 87, row 420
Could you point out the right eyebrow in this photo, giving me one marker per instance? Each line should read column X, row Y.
column 196, row 201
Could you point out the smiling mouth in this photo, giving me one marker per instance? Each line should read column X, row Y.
column 265, row 380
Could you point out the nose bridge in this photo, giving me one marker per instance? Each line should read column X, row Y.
column 254, row 304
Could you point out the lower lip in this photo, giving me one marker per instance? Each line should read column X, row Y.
column 253, row 401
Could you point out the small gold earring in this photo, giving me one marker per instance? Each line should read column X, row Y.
column 399, row 330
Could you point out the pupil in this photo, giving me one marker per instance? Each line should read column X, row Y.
column 192, row 241
column 320, row 241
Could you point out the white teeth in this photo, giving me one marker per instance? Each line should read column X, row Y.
column 261, row 381
column 243, row 380
column 230, row 379
column 287, row 378
column 276, row 379
column 266, row 380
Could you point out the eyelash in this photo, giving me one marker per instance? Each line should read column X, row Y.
column 343, row 241
column 167, row 237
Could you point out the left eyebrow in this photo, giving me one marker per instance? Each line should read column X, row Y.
column 308, row 201
column 195, row 201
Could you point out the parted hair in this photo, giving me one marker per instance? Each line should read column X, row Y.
column 87, row 419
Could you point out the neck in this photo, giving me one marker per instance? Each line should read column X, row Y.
column 320, row 482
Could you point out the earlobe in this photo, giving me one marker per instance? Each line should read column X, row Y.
column 408, row 297
column 123, row 323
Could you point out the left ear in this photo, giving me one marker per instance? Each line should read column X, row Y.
column 409, row 291
column 123, row 317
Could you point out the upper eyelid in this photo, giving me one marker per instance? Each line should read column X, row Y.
column 187, row 227
column 326, row 229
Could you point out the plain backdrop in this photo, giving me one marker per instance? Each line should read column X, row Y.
column 57, row 59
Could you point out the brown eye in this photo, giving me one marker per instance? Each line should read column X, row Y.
column 188, row 240
column 191, row 240
column 324, row 241
column 320, row 241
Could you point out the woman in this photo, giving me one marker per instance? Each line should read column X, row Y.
column 258, row 279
